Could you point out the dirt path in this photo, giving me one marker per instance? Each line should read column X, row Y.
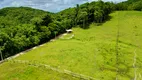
column 134, row 65
column 24, row 52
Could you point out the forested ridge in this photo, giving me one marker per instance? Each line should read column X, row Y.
column 22, row 27
column 130, row 5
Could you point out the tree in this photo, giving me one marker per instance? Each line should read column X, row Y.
column 1, row 53
column 76, row 13
column 44, row 33
column 137, row 6
column 83, row 19
column 98, row 16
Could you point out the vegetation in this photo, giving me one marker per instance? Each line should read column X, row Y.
column 22, row 28
column 91, row 52
column 86, row 13
column 25, row 72
column 130, row 5
column 108, row 51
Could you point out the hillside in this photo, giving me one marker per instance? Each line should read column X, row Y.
column 20, row 15
column 101, row 52
column 22, row 27
column 130, row 5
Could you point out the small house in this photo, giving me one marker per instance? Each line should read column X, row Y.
column 69, row 31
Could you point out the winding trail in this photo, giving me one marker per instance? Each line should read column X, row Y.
column 134, row 65
column 73, row 74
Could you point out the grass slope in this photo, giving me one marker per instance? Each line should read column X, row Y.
column 91, row 52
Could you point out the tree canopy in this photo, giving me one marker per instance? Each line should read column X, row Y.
column 130, row 5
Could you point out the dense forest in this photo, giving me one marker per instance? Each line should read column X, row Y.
column 22, row 27
column 130, row 5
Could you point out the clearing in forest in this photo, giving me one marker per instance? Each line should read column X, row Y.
column 92, row 52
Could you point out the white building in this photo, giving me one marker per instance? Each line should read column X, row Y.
column 69, row 31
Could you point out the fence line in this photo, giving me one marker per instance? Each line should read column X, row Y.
column 134, row 65
column 77, row 75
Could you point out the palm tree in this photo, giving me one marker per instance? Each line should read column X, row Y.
column 1, row 53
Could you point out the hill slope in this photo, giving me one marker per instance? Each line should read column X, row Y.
column 20, row 15
column 90, row 52
column 22, row 28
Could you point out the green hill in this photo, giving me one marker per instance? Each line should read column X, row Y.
column 103, row 52
column 20, row 15
column 22, row 27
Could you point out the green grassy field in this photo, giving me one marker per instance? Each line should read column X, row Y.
column 90, row 52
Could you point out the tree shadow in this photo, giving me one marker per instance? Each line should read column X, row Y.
column 87, row 26
column 108, row 18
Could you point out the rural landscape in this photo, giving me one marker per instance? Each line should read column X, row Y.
column 95, row 40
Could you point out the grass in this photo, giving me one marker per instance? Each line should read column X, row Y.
column 67, row 36
column 18, row 71
column 91, row 52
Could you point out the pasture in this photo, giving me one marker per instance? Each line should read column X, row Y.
column 102, row 52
